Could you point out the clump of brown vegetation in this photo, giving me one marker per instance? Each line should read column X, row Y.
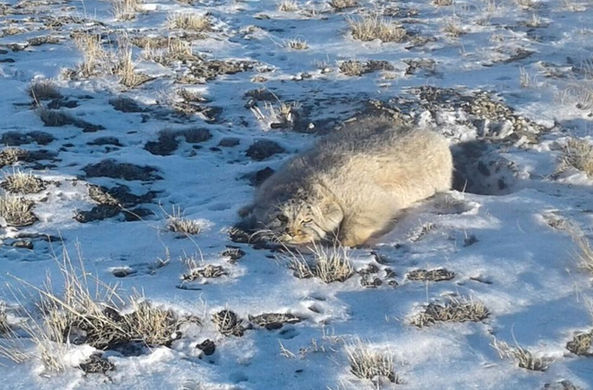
column 88, row 312
column 92, row 51
column 44, row 89
column 22, row 183
column 524, row 358
column 297, row 44
column 370, row 28
column 17, row 211
column 288, row 6
column 178, row 224
column 330, row 264
column 581, row 344
column 342, row 4
column 125, row 9
column 191, row 22
column 454, row 310
column 366, row 363
column 11, row 155
column 228, row 323
column 578, row 153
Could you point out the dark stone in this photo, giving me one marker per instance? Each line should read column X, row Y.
column 195, row 136
column 262, row 149
column 58, row 103
column 123, row 272
column 25, row 244
column 137, row 214
column 105, row 141
column 229, row 142
column 117, row 170
column 166, row 144
column 207, row 346
column 41, row 137
column 125, row 104
column 97, row 213
column 258, row 177
column 14, row 138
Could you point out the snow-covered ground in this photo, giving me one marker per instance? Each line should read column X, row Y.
column 515, row 77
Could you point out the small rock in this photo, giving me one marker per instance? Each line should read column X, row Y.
column 262, row 149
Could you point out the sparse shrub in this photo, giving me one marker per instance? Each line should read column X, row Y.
column 455, row 310
column 176, row 223
column 125, row 9
column 125, row 69
column 16, row 211
column 370, row 28
column 193, row 22
column 578, row 153
column 524, row 358
column 342, row 4
column 92, row 51
column 585, row 252
column 228, row 323
column 87, row 313
column 366, row 363
column 330, row 264
column 277, row 116
column 352, row 67
column 297, row 44
column 44, row 89
column 581, row 344
column 22, row 183
column 11, row 155
column 453, row 28
column 177, row 49
column 288, row 6
column 442, row 3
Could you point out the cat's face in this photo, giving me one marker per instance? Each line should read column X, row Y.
column 301, row 220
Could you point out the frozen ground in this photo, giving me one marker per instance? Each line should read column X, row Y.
column 514, row 76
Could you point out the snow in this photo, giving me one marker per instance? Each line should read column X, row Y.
column 502, row 248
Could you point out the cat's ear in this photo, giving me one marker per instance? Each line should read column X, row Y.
column 332, row 212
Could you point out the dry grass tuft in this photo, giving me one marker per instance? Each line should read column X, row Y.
column 178, row 224
column 176, row 49
column 288, row 6
column 22, row 183
column 44, row 89
column 125, row 69
column 92, row 51
column 277, row 116
column 297, row 44
column 455, row 310
column 87, row 313
column 16, row 211
column 125, row 9
column 585, row 252
column 578, row 153
column 370, row 28
column 523, row 357
column 228, row 323
column 343, row 4
column 581, row 344
column 11, row 155
column 330, row 264
column 442, row 3
column 192, row 22
column 353, row 67
column 365, row 363
column 453, row 28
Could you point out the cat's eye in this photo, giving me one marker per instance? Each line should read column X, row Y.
column 306, row 221
column 282, row 218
